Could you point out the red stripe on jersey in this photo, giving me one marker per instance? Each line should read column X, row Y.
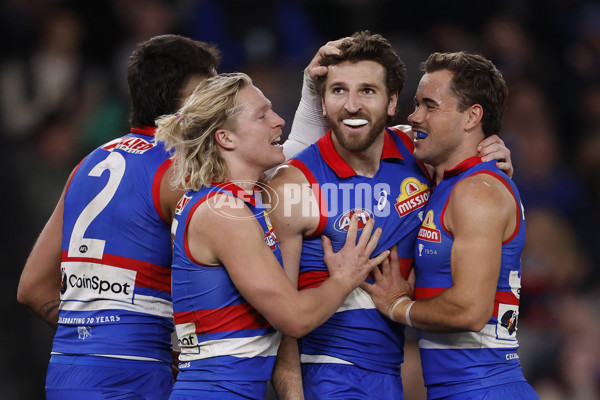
column 425, row 293
column 156, row 188
column 148, row 275
column 312, row 279
column 316, row 190
column 226, row 319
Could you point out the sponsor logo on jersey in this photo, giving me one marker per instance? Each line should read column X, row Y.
column 182, row 203
column 187, row 338
column 429, row 231
column 88, row 280
column 509, row 321
column 342, row 223
column 413, row 195
column 134, row 145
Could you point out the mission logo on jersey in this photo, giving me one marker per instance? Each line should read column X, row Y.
column 413, row 195
column 429, row 231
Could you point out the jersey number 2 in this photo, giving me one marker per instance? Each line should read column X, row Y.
column 80, row 246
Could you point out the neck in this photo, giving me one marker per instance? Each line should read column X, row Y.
column 244, row 177
column 454, row 158
column 366, row 162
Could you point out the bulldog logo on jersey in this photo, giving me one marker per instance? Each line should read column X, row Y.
column 413, row 195
column 429, row 231
column 342, row 223
column 270, row 237
column 182, row 203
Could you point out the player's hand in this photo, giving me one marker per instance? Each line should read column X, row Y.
column 351, row 265
column 388, row 284
column 493, row 148
column 314, row 68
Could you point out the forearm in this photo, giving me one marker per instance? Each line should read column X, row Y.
column 312, row 307
column 42, row 299
column 440, row 314
column 309, row 125
column 287, row 376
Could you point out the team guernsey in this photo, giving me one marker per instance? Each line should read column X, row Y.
column 357, row 334
column 455, row 363
column 116, row 258
column 226, row 345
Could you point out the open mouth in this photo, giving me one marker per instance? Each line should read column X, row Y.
column 276, row 142
column 419, row 135
column 355, row 122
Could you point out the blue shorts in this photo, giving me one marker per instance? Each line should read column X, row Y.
column 348, row 382
column 99, row 378
column 512, row 391
column 219, row 390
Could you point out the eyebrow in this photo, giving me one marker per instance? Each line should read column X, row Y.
column 426, row 100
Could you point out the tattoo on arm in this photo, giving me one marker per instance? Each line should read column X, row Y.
column 49, row 312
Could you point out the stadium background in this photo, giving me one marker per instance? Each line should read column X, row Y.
column 63, row 92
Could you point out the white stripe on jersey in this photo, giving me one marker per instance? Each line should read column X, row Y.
column 357, row 299
column 484, row 339
column 141, row 304
column 321, row 359
column 245, row 347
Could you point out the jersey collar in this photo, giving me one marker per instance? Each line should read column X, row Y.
column 462, row 167
column 238, row 191
column 341, row 167
column 144, row 130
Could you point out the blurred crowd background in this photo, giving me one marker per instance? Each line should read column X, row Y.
column 63, row 92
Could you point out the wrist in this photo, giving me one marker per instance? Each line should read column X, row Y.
column 395, row 305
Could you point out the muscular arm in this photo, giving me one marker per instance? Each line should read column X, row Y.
column 169, row 196
column 290, row 224
column 39, row 284
column 236, row 241
column 480, row 215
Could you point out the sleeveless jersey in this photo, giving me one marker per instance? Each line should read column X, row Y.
column 464, row 361
column 116, row 254
column 395, row 196
column 221, row 336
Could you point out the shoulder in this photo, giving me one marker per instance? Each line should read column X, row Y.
column 481, row 196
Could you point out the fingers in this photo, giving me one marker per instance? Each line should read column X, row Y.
column 365, row 235
column 490, row 141
column 375, row 261
column 505, row 167
column 352, row 230
column 327, row 248
column 315, row 69
column 394, row 261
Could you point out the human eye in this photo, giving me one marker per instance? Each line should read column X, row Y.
column 369, row 91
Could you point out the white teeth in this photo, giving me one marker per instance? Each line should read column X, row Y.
column 355, row 122
column 276, row 142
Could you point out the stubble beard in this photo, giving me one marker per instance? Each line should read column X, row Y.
column 356, row 144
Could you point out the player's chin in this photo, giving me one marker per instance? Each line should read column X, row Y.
column 277, row 155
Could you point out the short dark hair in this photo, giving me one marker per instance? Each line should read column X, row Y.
column 157, row 70
column 365, row 46
column 476, row 80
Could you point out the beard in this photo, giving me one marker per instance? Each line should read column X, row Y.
column 356, row 143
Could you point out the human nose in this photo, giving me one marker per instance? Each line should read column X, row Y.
column 278, row 122
column 414, row 117
column 352, row 103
